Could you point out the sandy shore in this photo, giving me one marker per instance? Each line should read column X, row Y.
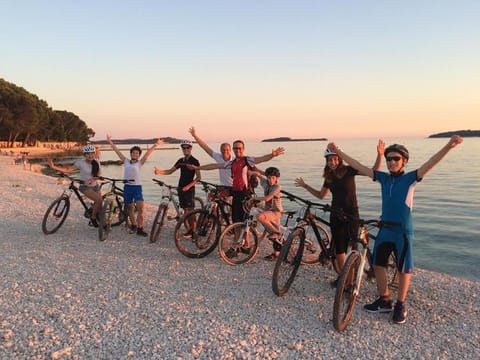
column 67, row 295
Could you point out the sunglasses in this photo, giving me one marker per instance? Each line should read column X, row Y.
column 394, row 158
column 186, row 147
column 237, row 148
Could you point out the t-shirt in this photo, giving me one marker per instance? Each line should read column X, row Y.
column 275, row 204
column 239, row 170
column 225, row 175
column 131, row 171
column 397, row 197
column 344, row 194
column 186, row 174
column 85, row 168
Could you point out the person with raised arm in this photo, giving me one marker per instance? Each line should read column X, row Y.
column 186, row 183
column 339, row 179
column 225, row 155
column 132, row 191
column 239, row 168
column 397, row 188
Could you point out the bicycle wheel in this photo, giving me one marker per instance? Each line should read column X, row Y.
column 314, row 247
column 288, row 262
column 55, row 215
column 202, row 239
column 237, row 245
column 105, row 219
column 198, row 203
column 119, row 215
column 344, row 297
column 391, row 268
column 158, row 222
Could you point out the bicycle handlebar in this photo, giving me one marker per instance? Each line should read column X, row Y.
column 161, row 183
column 115, row 180
column 72, row 179
column 292, row 197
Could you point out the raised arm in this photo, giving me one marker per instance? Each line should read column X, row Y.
column 115, row 148
column 200, row 142
column 276, row 152
column 212, row 166
column 159, row 171
column 299, row 182
column 380, row 153
column 435, row 159
column 150, row 151
column 362, row 169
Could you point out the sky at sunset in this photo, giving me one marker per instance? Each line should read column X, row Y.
column 250, row 69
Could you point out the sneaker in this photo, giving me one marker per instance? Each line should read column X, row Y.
column 188, row 234
column 133, row 229
column 93, row 222
column 379, row 306
column 399, row 313
column 141, row 232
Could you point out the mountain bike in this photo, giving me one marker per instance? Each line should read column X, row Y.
column 207, row 222
column 350, row 280
column 308, row 243
column 239, row 242
column 168, row 209
column 58, row 210
column 113, row 207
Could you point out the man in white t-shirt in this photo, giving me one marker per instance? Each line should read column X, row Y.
column 222, row 157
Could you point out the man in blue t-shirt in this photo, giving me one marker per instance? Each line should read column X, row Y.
column 397, row 200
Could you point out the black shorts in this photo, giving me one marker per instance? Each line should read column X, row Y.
column 187, row 198
column 238, row 214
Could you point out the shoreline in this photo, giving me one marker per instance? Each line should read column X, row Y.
column 67, row 295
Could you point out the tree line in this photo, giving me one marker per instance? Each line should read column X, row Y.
column 27, row 119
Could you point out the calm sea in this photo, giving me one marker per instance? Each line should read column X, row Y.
column 446, row 202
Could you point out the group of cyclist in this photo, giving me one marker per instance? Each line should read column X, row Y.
column 236, row 171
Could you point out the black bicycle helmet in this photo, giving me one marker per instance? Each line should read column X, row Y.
column 272, row 171
column 402, row 150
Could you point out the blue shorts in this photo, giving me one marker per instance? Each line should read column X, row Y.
column 132, row 193
column 399, row 243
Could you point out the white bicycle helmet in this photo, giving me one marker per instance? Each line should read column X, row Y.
column 88, row 149
column 185, row 143
column 329, row 152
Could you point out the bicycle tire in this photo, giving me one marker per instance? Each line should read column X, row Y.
column 288, row 262
column 313, row 246
column 158, row 223
column 204, row 238
column 120, row 214
column 55, row 215
column 345, row 299
column 391, row 268
column 105, row 220
column 199, row 204
column 235, row 252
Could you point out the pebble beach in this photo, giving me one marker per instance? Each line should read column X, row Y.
column 69, row 296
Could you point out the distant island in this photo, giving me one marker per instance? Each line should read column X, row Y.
column 166, row 140
column 462, row 133
column 285, row 138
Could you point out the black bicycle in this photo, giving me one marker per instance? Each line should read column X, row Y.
column 58, row 210
column 355, row 267
column 168, row 209
column 207, row 223
column 308, row 243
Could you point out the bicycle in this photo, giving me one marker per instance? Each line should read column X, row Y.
column 208, row 223
column 58, row 210
column 113, row 207
column 308, row 243
column 350, row 280
column 239, row 242
column 169, row 208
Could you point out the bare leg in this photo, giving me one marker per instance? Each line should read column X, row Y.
column 382, row 280
column 131, row 214
column 403, row 285
column 96, row 197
